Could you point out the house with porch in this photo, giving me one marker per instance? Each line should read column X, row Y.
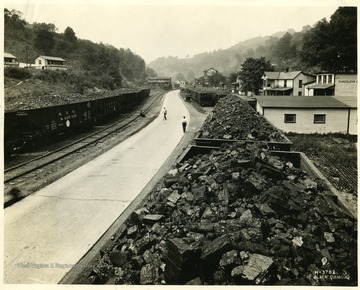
column 204, row 79
column 333, row 84
column 288, row 83
column 50, row 62
column 10, row 60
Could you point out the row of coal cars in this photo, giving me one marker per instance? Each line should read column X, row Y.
column 41, row 122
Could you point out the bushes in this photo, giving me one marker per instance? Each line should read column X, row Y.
column 15, row 72
column 78, row 80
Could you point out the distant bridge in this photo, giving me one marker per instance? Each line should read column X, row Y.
column 164, row 83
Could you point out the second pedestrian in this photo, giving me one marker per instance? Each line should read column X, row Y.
column 184, row 123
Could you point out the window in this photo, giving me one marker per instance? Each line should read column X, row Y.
column 285, row 83
column 300, row 93
column 330, row 79
column 39, row 61
column 300, row 84
column 324, row 79
column 290, row 118
column 319, row 79
column 319, row 118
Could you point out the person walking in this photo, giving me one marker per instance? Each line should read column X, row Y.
column 165, row 112
column 184, row 123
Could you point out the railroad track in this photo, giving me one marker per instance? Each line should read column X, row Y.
column 39, row 163
column 347, row 174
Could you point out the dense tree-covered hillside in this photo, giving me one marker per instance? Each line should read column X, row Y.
column 90, row 64
column 325, row 46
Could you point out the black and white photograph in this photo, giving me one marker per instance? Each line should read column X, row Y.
column 180, row 143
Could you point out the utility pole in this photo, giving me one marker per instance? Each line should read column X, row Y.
column 27, row 57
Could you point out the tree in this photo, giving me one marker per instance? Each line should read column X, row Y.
column 332, row 46
column 217, row 79
column 232, row 77
column 317, row 46
column 13, row 19
column 343, row 25
column 284, row 49
column 149, row 72
column 180, row 77
column 251, row 72
column 69, row 35
column 45, row 26
column 44, row 41
column 190, row 77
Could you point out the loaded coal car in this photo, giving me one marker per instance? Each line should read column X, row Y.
column 35, row 127
column 12, row 134
column 206, row 97
column 106, row 108
column 40, row 126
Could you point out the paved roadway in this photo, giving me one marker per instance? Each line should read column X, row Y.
column 46, row 233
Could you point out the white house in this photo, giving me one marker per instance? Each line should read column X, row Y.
column 308, row 114
column 288, row 83
column 10, row 60
column 50, row 62
column 210, row 71
column 204, row 79
column 330, row 84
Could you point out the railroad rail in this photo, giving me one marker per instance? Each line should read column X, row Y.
column 347, row 174
column 42, row 161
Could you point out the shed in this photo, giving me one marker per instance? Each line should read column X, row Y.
column 309, row 114
column 10, row 60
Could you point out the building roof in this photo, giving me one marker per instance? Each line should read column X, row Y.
column 351, row 101
column 320, row 87
column 300, row 102
column 51, row 57
column 279, row 75
column 278, row 89
column 9, row 55
column 210, row 69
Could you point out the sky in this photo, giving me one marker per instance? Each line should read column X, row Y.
column 157, row 28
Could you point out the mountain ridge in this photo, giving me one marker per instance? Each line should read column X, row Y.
column 224, row 60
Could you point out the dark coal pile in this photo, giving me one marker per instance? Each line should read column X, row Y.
column 233, row 118
column 34, row 102
column 237, row 216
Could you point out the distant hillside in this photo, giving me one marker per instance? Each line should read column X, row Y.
column 90, row 65
column 224, row 60
column 326, row 46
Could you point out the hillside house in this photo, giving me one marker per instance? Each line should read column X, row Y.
column 204, row 79
column 306, row 114
column 210, row 71
column 50, row 62
column 10, row 60
column 288, row 83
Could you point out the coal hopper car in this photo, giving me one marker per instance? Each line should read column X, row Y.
column 36, row 127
